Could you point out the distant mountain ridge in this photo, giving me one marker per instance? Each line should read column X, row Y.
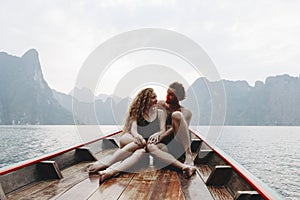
column 26, row 98
column 104, row 109
column 275, row 102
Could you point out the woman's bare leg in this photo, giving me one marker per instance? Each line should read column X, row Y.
column 125, row 139
column 123, row 166
column 158, row 151
column 120, row 154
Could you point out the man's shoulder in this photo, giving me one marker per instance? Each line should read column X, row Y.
column 186, row 110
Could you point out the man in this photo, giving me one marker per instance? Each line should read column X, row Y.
column 177, row 121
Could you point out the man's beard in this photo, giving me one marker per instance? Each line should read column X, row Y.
column 171, row 101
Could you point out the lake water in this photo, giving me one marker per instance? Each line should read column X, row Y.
column 270, row 153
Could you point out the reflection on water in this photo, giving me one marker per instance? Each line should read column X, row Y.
column 19, row 143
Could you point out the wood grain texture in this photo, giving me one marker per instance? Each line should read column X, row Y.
column 194, row 188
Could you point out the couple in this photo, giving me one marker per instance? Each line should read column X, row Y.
column 151, row 126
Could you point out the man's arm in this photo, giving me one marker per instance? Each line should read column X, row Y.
column 166, row 133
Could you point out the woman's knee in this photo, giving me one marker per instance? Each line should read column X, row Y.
column 139, row 152
column 152, row 147
column 125, row 139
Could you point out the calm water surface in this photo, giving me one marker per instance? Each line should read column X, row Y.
column 270, row 153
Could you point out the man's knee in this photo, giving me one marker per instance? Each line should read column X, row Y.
column 177, row 116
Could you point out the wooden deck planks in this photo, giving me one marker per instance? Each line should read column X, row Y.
column 25, row 193
column 112, row 188
column 220, row 193
column 156, row 184
column 194, row 188
column 204, row 171
column 167, row 186
column 137, row 189
column 48, row 189
column 82, row 190
column 140, row 187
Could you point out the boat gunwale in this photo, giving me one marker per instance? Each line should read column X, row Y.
column 27, row 163
column 259, row 186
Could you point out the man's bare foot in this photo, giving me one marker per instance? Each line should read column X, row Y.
column 104, row 175
column 189, row 160
column 95, row 167
column 188, row 171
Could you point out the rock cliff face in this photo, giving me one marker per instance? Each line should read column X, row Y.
column 25, row 97
column 275, row 102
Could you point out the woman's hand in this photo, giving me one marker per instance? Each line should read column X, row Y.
column 154, row 139
column 139, row 140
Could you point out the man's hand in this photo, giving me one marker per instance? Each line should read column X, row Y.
column 154, row 139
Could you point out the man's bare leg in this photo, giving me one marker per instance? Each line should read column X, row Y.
column 159, row 152
column 182, row 135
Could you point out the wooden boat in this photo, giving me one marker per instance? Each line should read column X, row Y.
column 62, row 175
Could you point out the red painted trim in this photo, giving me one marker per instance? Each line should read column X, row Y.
column 48, row 156
column 101, row 138
column 246, row 175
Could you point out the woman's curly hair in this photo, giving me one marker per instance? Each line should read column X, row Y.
column 138, row 107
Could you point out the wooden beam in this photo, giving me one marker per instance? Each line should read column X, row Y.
column 49, row 170
column 195, row 145
column 2, row 194
column 109, row 143
column 203, row 156
column 84, row 154
column 219, row 175
column 247, row 195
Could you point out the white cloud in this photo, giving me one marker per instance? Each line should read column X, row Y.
column 246, row 39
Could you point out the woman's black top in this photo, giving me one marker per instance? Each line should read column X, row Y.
column 145, row 128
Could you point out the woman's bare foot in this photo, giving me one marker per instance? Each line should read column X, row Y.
column 188, row 170
column 95, row 167
column 104, row 175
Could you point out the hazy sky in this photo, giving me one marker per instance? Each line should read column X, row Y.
column 247, row 40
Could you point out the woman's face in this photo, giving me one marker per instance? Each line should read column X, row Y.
column 153, row 99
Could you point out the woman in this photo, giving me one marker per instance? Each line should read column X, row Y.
column 143, row 120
